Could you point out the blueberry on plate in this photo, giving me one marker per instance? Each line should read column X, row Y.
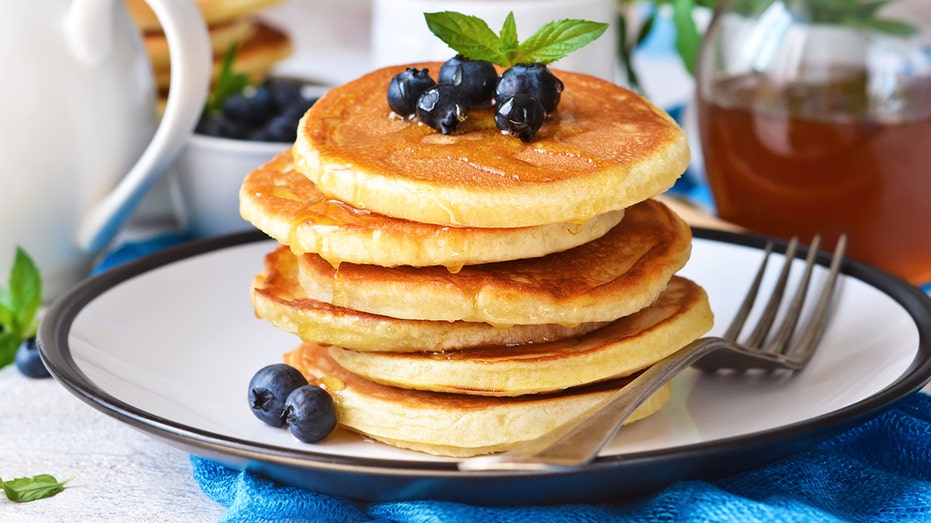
column 406, row 88
column 534, row 80
column 269, row 389
column 310, row 413
column 443, row 107
column 520, row 115
column 28, row 361
column 477, row 78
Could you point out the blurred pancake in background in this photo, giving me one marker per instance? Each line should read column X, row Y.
column 231, row 24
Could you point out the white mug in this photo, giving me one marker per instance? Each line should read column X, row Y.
column 400, row 34
column 80, row 140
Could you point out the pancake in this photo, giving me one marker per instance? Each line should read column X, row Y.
column 254, row 58
column 214, row 11
column 602, row 280
column 605, row 148
column 449, row 424
column 222, row 37
column 630, row 344
column 279, row 299
column 288, row 207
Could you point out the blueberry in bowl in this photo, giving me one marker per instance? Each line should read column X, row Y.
column 234, row 136
column 268, row 112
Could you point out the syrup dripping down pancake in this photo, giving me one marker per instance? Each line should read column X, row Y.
column 288, row 207
column 602, row 280
column 279, row 299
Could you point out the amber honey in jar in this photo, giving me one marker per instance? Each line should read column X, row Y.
column 825, row 131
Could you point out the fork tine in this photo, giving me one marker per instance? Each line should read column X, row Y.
column 808, row 340
column 741, row 316
column 765, row 323
column 781, row 340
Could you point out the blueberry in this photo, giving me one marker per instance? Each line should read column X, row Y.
column 250, row 107
column 269, row 389
column 283, row 91
column 221, row 127
column 476, row 77
column 28, row 361
column 534, row 80
column 520, row 115
column 405, row 89
column 310, row 413
column 282, row 129
column 443, row 107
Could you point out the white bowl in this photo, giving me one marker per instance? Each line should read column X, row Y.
column 208, row 174
column 206, row 177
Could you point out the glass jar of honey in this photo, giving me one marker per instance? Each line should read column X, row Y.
column 815, row 117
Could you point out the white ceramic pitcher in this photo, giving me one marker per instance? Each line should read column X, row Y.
column 80, row 140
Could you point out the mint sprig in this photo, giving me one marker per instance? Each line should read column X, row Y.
column 227, row 84
column 19, row 303
column 21, row 490
column 471, row 37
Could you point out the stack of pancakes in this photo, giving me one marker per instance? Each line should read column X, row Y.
column 230, row 23
column 458, row 294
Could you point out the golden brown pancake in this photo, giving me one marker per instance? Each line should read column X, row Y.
column 288, row 207
column 605, row 148
column 279, row 298
column 222, row 37
column 254, row 58
column 214, row 11
column 449, row 424
column 602, row 280
column 630, row 344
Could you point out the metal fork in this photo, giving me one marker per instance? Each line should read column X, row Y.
column 578, row 441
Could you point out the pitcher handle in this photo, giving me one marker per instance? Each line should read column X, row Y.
column 191, row 65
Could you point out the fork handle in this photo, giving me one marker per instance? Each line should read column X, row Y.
column 579, row 440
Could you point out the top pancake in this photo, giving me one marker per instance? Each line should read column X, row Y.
column 605, row 148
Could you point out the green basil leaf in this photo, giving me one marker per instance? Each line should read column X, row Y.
column 468, row 35
column 6, row 311
column 21, row 490
column 228, row 83
column 557, row 39
column 688, row 39
column 9, row 342
column 25, row 293
column 471, row 37
column 508, row 36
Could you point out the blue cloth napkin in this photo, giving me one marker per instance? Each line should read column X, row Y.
column 879, row 471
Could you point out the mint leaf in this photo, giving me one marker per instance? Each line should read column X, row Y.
column 468, row 35
column 228, row 83
column 471, row 37
column 25, row 293
column 688, row 38
column 557, row 39
column 21, row 490
column 508, row 37
column 9, row 342
column 19, row 303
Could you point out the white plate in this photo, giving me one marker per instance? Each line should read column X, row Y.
column 169, row 343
